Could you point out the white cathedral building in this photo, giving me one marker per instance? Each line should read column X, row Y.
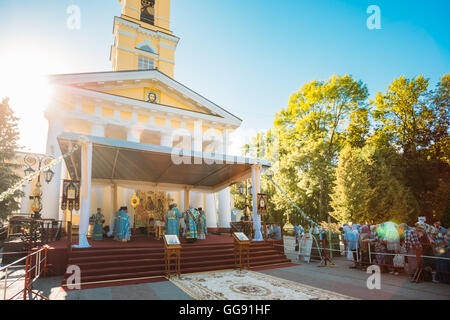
column 139, row 122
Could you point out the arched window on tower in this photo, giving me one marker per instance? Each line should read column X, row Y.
column 148, row 11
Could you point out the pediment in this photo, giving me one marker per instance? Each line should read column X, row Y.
column 136, row 86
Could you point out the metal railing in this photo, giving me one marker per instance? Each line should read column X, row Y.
column 369, row 255
column 36, row 265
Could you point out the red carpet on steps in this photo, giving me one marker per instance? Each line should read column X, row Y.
column 110, row 263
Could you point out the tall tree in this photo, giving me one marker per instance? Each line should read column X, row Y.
column 9, row 135
column 417, row 121
column 368, row 189
column 312, row 130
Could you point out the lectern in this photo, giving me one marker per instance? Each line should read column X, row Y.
column 241, row 247
column 172, row 248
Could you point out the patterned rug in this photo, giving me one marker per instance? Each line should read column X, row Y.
column 249, row 285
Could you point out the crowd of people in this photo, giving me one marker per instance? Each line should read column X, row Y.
column 395, row 248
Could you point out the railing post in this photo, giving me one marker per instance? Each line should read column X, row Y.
column 25, row 290
column 45, row 261
column 6, row 284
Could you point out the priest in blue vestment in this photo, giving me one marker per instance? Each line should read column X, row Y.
column 202, row 227
column 122, row 229
column 172, row 218
column 98, row 220
column 191, row 217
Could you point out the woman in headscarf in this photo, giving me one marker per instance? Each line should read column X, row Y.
column 364, row 245
column 380, row 248
column 355, row 230
column 372, row 239
column 352, row 243
column 298, row 237
column 412, row 245
column 392, row 245
column 427, row 250
column 442, row 262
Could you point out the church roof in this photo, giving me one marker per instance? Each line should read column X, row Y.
column 80, row 80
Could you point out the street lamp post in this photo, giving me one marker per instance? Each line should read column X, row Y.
column 36, row 195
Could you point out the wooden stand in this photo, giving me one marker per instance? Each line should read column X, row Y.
column 241, row 247
column 172, row 253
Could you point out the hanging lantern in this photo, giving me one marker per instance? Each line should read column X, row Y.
column 48, row 175
column 241, row 189
column 28, row 171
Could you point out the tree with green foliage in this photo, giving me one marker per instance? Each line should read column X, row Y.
column 417, row 121
column 333, row 152
column 313, row 128
column 368, row 189
column 9, row 135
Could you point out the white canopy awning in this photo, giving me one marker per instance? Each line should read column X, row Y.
column 136, row 164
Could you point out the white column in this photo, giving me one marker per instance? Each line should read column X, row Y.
column 211, row 216
column 196, row 199
column 224, row 208
column 113, row 213
column 25, row 201
column 128, row 193
column 198, row 136
column 51, row 192
column 224, row 142
column 166, row 139
column 98, row 130
column 106, row 203
column 134, row 135
column 86, row 187
column 182, row 205
column 97, row 198
column 256, row 183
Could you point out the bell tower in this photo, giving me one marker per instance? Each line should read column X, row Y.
column 142, row 37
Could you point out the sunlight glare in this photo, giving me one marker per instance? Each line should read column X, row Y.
column 23, row 80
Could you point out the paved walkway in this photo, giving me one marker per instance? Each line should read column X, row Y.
column 164, row 290
column 353, row 282
column 338, row 279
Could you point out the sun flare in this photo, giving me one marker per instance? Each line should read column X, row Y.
column 24, row 82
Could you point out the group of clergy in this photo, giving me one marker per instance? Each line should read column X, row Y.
column 191, row 224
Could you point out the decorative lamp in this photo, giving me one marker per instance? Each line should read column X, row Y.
column 48, row 175
column 28, row 171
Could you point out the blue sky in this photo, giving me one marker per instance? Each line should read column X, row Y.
column 246, row 56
